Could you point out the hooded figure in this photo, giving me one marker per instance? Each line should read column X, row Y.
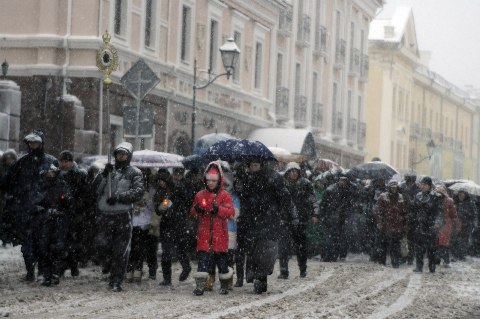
column 390, row 220
column 54, row 225
column 22, row 185
column 467, row 214
column 409, row 189
column 115, row 225
column 265, row 202
column 212, row 206
column 294, row 232
column 427, row 220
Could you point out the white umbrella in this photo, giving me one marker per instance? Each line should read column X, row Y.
column 470, row 187
column 148, row 158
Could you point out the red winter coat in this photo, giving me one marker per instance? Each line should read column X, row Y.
column 391, row 213
column 450, row 218
column 217, row 236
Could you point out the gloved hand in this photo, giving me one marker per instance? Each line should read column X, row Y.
column 214, row 209
column 112, row 200
column 108, row 169
column 199, row 209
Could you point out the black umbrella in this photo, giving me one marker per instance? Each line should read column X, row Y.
column 373, row 170
column 195, row 161
column 238, row 150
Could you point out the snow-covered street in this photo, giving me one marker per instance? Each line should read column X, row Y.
column 355, row 288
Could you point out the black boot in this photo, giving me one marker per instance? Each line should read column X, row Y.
column 283, row 274
column 185, row 272
column 167, row 273
column 239, row 282
column 30, row 276
column 260, row 285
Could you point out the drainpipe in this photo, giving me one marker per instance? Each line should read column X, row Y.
column 100, row 117
column 65, row 46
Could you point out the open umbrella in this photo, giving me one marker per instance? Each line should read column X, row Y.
column 324, row 164
column 204, row 142
column 238, row 150
column 148, row 158
column 195, row 161
column 470, row 187
column 373, row 170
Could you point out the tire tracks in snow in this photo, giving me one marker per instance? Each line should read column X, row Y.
column 408, row 296
column 265, row 301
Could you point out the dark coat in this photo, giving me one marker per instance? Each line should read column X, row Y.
column 391, row 213
column 264, row 202
column 428, row 214
column 466, row 211
column 337, row 204
column 304, row 199
column 174, row 223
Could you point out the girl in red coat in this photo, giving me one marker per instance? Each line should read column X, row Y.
column 212, row 207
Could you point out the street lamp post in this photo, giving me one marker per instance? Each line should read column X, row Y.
column 5, row 69
column 230, row 54
column 430, row 149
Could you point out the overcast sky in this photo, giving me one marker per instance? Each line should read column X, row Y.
column 450, row 29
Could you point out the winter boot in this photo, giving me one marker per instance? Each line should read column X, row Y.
column 260, row 285
column 74, row 272
column 167, row 273
column 210, row 283
column 129, row 276
column 30, row 276
column 137, row 276
column 283, row 274
column 200, row 281
column 239, row 282
column 230, row 283
column 117, row 287
column 152, row 273
column 55, row 279
column 224, row 280
column 185, row 272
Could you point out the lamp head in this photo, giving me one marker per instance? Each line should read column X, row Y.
column 230, row 54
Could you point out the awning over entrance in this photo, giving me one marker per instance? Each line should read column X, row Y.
column 296, row 141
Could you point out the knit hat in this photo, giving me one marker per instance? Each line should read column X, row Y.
column 66, row 156
column 392, row 184
column 212, row 174
column 427, row 180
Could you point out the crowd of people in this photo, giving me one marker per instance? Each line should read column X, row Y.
column 236, row 217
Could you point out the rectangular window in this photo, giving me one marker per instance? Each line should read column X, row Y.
column 314, row 87
column 237, row 37
column 213, row 57
column 279, row 69
column 298, row 76
column 186, row 27
column 394, row 101
column 149, row 23
column 258, row 65
column 120, row 17
column 334, row 104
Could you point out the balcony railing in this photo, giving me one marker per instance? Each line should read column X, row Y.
column 449, row 142
column 362, row 133
column 414, row 130
column 303, row 32
column 320, row 40
column 285, row 22
column 340, row 53
column 281, row 103
column 427, row 132
column 317, row 115
column 300, row 111
column 364, row 67
column 337, row 124
column 354, row 61
column 352, row 131
column 459, row 146
column 438, row 137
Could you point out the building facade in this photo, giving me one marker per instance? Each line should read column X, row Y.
column 303, row 64
column 416, row 120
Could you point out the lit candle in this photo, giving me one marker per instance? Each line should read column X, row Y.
column 204, row 203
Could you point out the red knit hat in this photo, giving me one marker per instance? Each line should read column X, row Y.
column 213, row 174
